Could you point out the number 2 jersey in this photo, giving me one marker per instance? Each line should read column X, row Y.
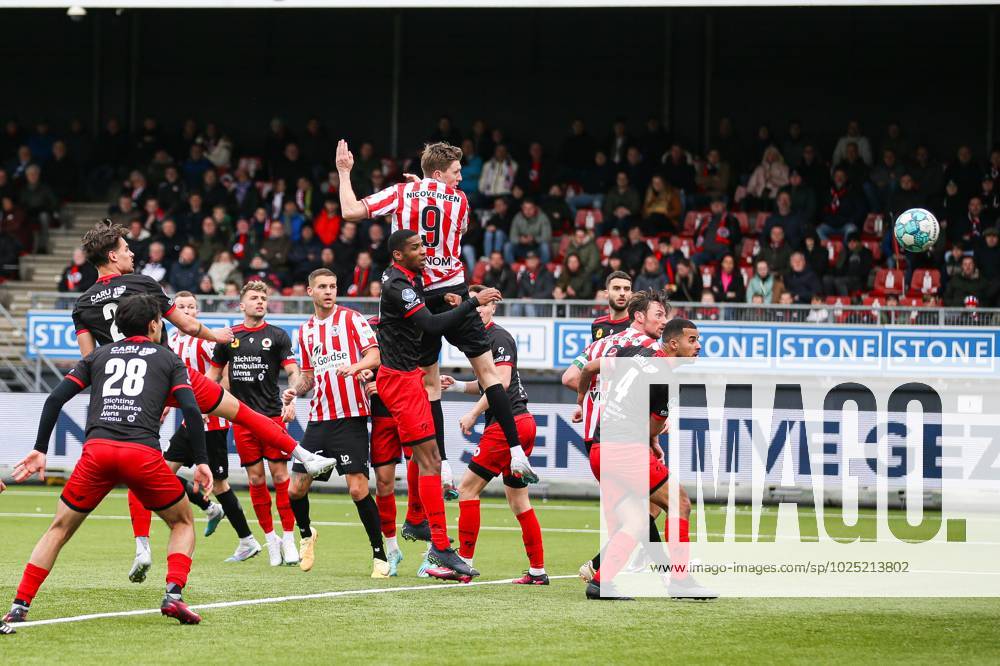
column 196, row 354
column 327, row 344
column 439, row 213
column 130, row 382
column 94, row 311
column 255, row 358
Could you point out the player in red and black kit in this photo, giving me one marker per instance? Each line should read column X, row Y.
column 131, row 380
column 680, row 340
column 619, row 287
column 252, row 362
column 492, row 456
column 93, row 314
column 403, row 320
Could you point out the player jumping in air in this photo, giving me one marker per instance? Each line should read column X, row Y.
column 403, row 320
column 252, row 362
column 93, row 317
column 131, row 380
column 680, row 339
column 436, row 209
column 336, row 345
column 197, row 355
column 492, row 457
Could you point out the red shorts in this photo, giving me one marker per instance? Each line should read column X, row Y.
column 386, row 446
column 252, row 450
column 492, row 456
column 207, row 393
column 658, row 472
column 105, row 463
column 406, row 399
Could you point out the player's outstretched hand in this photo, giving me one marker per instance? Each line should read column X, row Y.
column 288, row 412
column 489, row 296
column 578, row 414
column 33, row 463
column 454, row 300
column 366, row 375
column 344, row 160
column 202, row 479
column 447, row 381
column 223, row 336
column 467, row 423
column 288, row 396
column 370, row 389
column 347, row 370
column 411, row 177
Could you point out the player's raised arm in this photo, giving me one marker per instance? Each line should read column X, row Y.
column 191, row 326
column 436, row 324
column 350, row 208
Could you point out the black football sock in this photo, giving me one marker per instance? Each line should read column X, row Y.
column 501, row 411
column 595, row 561
column 654, row 533
column 300, row 507
column 368, row 512
column 234, row 513
column 438, row 415
column 196, row 498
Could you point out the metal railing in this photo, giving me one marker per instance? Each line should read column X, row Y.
column 825, row 314
column 19, row 371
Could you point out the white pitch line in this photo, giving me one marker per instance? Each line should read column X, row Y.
column 275, row 600
column 326, row 523
column 313, row 499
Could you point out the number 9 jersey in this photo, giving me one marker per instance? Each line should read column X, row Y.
column 439, row 213
column 94, row 311
column 130, row 382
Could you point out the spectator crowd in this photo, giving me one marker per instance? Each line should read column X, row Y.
column 766, row 218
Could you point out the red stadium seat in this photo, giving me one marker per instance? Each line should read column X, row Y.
column 608, row 245
column 588, row 218
column 564, row 242
column 747, row 250
column 479, row 271
column 691, row 223
column 840, row 315
column 874, row 226
column 758, row 225
column 875, row 247
column 925, row 281
column 744, row 221
column 833, row 248
column 889, row 282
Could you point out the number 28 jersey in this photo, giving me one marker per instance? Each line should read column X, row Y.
column 94, row 311
column 439, row 213
column 130, row 382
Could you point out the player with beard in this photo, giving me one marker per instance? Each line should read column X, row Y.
column 252, row 362
column 437, row 209
column 680, row 340
column 93, row 317
column 619, row 287
column 337, row 347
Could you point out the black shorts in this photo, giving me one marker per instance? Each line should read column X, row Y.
column 468, row 336
column 216, row 442
column 344, row 439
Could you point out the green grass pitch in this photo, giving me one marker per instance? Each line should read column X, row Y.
column 448, row 623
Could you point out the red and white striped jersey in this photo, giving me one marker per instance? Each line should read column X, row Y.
column 439, row 213
column 595, row 350
column 327, row 344
column 196, row 355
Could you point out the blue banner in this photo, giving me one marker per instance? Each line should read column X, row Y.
column 554, row 344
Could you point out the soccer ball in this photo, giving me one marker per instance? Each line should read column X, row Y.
column 916, row 230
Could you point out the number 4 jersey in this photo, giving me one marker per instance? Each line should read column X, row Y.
column 94, row 311
column 439, row 213
column 130, row 382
